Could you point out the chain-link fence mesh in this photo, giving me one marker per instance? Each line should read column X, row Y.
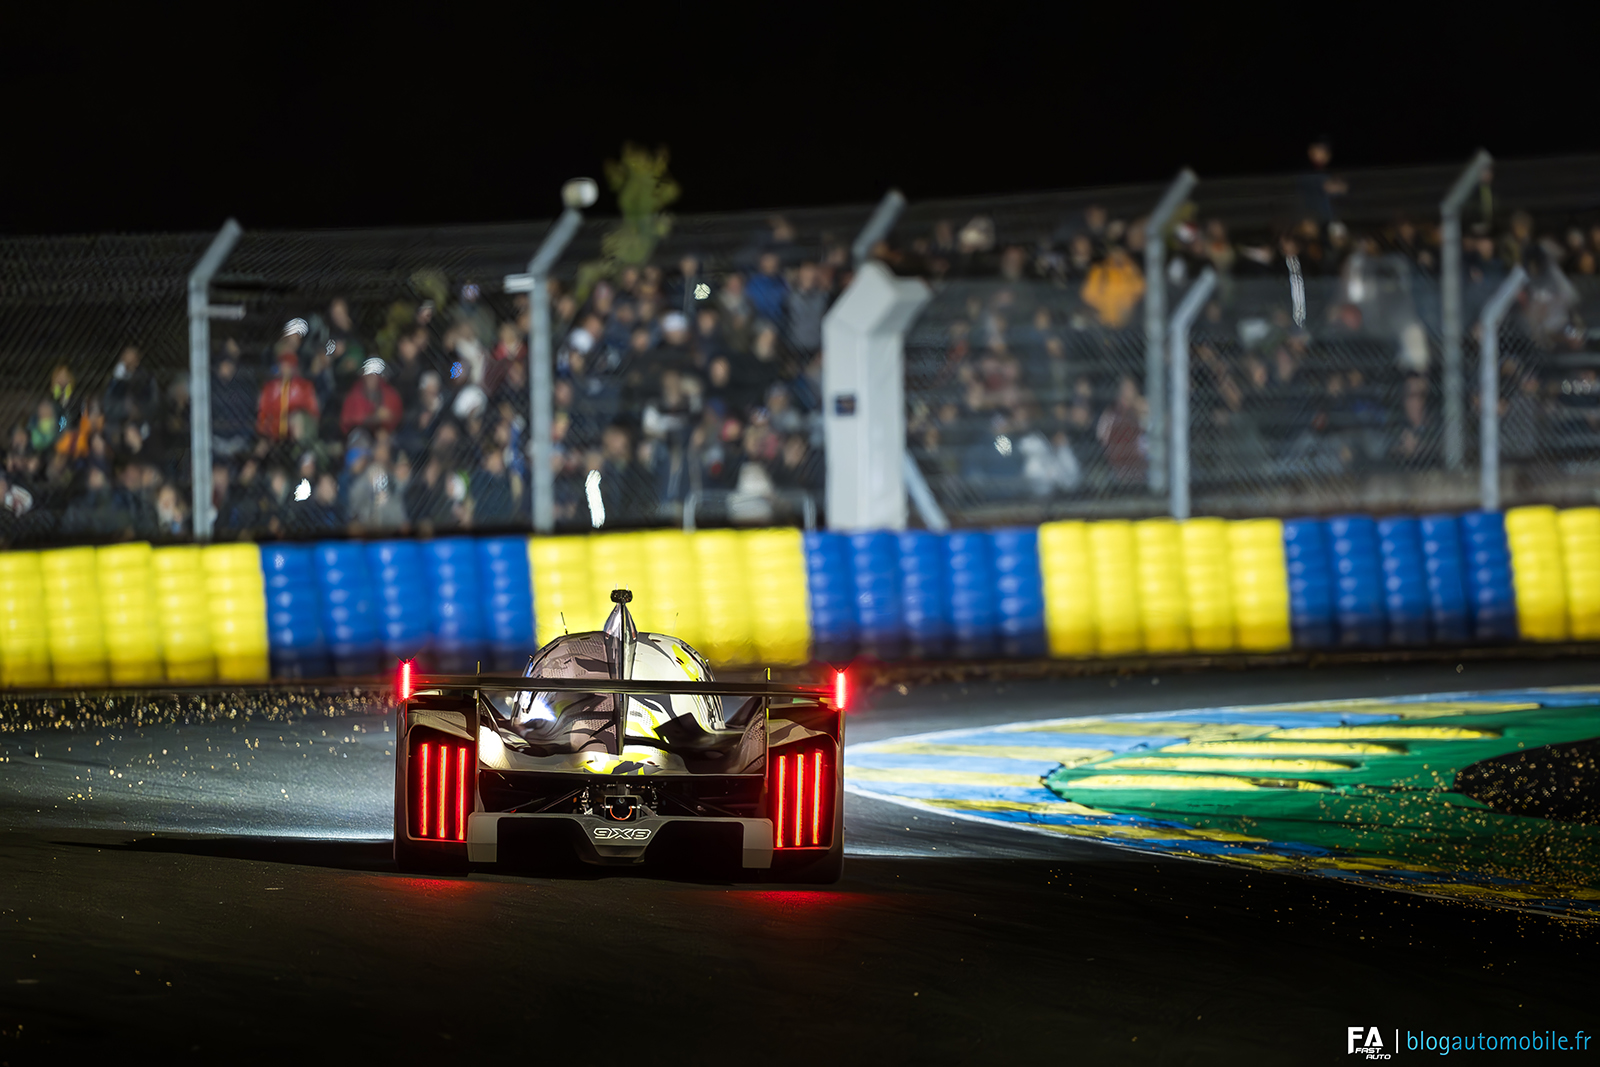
column 687, row 387
column 94, row 400
column 1549, row 392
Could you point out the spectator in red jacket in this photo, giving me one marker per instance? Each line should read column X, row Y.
column 372, row 403
column 286, row 393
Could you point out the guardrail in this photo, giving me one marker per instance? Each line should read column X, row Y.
column 131, row 614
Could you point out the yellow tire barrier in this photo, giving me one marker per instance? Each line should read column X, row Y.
column 561, row 586
column 1580, row 563
column 1537, row 574
column 1260, row 585
column 725, row 607
column 24, row 639
column 1065, row 569
column 128, row 611
column 72, row 616
column 1113, row 567
column 1208, row 583
column 184, row 610
column 775, row 575
column 616, row 561
column 671, row 578
column 236, row 600
column 1163, row 605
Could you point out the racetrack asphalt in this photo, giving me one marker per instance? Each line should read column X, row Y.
column 222, row 891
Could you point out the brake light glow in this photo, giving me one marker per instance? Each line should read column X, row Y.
column 802, row 801
column 783, row 767
column 461, row 793
column 426, row 749
column 816, row 799
column 441, row 784
column 841, row 689
column 402, row 684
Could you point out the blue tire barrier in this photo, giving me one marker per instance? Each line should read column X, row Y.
column 405, row 623
column 349, row 609
column 1306, row 557
column 1358, row 607
column 1019, row 585
column 831, row 587
column 1446, row 574
column 507, row 601
column 924, row 594
column 451, row 567
column 880, row 618
column 972, row 595
column 1405, row 582
column 294, row 613
column 1491, row 598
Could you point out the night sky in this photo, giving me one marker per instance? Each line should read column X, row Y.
column 139, row 118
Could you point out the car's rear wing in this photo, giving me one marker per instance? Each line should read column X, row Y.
column 409, row 684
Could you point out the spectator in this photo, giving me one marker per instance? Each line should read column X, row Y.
column 286, row 393
column 172, row 518
column 373, row 498
column 1318, row 187
column 496, row 494
column 767, row 289
column 317, row 516
column 1114, row 288
column 508, row 349
column 804, row 306
column 98, row 512
column 1120, row 432
column 48, row 424
column 798, row 467
column 428, row 498
column 133, row 396
column 64, row 394
column 372, row 404
column 626, row 486
column 233, row 405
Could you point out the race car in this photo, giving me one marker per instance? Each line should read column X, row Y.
column 615, row 747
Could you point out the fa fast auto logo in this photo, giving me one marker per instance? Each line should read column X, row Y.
column 621, row 833
column 1359, row 1040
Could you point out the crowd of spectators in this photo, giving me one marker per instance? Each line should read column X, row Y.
column 681, row 386
column 1316, row 358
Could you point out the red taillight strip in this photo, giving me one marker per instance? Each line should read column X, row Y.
column 816, row 801
column 799, row 796
column 424, row 791
column 444, row 785
column 461, row 794
column 783, row 763
column 841, row 690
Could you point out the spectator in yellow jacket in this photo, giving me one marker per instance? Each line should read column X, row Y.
column 1113, row 288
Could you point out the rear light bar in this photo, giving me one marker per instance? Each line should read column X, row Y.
column 442, row 790
column 802, row 799
column 402, row 680
column 841, row 689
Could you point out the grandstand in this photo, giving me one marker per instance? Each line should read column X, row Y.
column 378, row 380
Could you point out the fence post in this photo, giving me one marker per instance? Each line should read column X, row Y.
column 200, row 315
column 1489, row 386
column 541, row 415
column 878, row 226
column 1182, row 319
column 1450, row 304
column 1155, row 322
